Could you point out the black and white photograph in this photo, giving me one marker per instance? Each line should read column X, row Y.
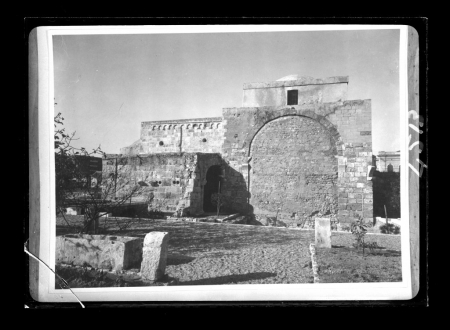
column 226, row 163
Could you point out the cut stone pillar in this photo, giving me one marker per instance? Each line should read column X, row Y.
column 154, row 255
column 323, row 232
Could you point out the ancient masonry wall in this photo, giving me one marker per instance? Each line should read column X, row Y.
column 292, row 161
column 175, row 179
column 168, row 177
column 188, row 135
column 348, row 124
column 293, row 168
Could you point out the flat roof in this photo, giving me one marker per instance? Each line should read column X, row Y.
column 297, row 82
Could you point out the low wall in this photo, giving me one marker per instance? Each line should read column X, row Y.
column 99, row 251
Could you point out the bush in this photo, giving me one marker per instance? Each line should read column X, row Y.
column 389, row 228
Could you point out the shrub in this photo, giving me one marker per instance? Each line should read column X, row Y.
column 359, row 230
column 389, row 228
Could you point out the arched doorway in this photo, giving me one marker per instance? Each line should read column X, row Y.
column 293, row 168
column 213, row 181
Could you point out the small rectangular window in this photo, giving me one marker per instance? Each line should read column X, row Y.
column 292, row 97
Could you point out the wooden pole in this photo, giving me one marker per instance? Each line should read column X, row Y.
column 218, row 200
column 385, row 214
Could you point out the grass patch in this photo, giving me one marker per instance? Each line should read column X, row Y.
column 342, row 264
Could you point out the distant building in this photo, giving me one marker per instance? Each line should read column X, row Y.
column 388, row 161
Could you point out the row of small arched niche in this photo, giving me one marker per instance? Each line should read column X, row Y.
column 186, row 126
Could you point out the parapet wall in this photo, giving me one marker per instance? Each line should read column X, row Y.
column 184, row 135
column 310, row 91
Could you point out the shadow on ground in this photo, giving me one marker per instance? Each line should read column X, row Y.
column 178, row 259
column 230, row 279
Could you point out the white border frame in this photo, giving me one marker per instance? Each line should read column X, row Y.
column 253, row 292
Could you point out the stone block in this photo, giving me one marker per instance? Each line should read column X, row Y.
column 99, row 251
column 323, row 232
column 154, row 255
column 73, row 210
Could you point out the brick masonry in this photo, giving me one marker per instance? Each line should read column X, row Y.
column 302, row 159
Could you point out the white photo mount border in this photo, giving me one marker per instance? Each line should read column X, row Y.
column 42, row 233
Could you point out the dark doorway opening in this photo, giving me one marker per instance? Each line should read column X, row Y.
column 213, row 179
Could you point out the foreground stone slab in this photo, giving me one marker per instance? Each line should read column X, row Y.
column 73, row 210
column 323, row 232
column 154, row 255
column 99, row 251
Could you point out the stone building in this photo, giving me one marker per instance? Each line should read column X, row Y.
column 388, row 161
column 296, row 147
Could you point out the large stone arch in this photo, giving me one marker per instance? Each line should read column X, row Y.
column 294, row 167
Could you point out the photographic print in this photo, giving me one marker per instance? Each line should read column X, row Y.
column 226, row 163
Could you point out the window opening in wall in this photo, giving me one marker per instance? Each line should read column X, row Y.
column 292, row 97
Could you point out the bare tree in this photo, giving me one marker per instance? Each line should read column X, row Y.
column 94, row 193
column 219, row 200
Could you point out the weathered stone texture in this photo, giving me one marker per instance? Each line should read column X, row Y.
column 154, row 255
column 167, row 176
column 99, row 251
column 309, row 91
column 323, row 232
column 293, row 168
column 194, row 135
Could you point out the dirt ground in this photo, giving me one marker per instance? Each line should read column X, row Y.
column 209, row 253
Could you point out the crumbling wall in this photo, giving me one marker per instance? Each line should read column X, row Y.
column 175, row 180
column 167, row 176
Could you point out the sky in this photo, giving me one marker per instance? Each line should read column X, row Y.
column 106, row 85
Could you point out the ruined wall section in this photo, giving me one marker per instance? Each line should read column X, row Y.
column 349, row 127
column 175, row 180
column 169, row 177
column 185, row 135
